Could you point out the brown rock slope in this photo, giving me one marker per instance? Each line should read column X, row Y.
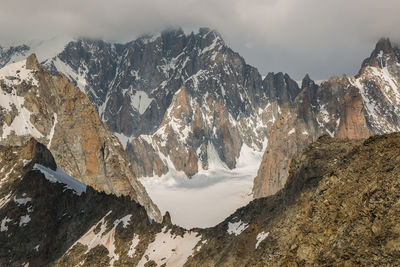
column 340, row 207
column 61, row 116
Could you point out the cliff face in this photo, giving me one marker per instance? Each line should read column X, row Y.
column 351, row 107
column 177, row 96
column 55, row 112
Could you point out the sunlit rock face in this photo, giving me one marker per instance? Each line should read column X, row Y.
column 350, row 107
column 50, row 108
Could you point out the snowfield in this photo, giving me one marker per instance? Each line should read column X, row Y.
column 169, row 249
column 209, row 196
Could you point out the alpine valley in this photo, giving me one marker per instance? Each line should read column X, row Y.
column 111, row 152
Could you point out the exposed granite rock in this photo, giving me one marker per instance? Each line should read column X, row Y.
column 351, row 107
column 62, row 117
column 136, row 86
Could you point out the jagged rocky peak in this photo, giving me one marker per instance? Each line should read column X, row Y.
column 280, row 87
column 384, row 54
column 32, row 62
column 347, row 107
column 307, row 82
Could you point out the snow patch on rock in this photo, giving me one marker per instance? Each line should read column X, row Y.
column 59, row 176
column 134, row 243
column 169, row 249
column 260, row 237
column 236, row 228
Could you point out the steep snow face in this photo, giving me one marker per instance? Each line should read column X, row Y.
column 170, row 249
column 59, row 176
column 380, row 91
column 140, row 101
column 10, row 103
column 16, row 73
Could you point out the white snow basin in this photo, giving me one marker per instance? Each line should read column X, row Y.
column 209, row 196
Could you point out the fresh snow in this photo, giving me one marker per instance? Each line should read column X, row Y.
column 59, row 176
column 210, row 195
column 21, row 124
column 169, row 249
column 260, row 237
column 236, row 228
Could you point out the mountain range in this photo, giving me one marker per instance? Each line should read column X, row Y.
column 105, row 116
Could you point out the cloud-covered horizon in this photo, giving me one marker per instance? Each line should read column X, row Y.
column 322, row 38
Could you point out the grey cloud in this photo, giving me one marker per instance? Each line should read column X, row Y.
column 322, row 38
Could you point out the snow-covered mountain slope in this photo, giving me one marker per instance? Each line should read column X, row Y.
column 35, row 103
column 351, row 107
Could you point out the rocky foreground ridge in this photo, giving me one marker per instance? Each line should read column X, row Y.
column 35, row 103
column 339, row 207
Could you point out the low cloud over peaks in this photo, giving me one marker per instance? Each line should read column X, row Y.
column 322, row 38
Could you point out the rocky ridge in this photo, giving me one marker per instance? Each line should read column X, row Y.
column 35, row 103
column 339, row 207
column 48, row 218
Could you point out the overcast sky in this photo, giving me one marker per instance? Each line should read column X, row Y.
column 320, row 37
